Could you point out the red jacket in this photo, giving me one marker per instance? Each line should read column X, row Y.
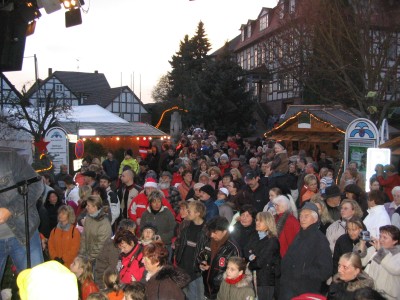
column 389, row 183
column 288, row 233
column 139, row 205
column 88, row 287
column 131, row 265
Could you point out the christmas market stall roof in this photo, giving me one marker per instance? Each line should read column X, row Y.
column 104, row 122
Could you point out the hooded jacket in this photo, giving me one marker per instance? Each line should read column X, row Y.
column 167, row 284
column 342, row 290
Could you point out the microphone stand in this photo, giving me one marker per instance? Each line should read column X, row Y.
column 22, row 188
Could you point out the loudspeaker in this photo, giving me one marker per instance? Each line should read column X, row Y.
column 73, row 17
column 12, row 41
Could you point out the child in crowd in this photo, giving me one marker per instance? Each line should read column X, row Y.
column 224, row 209
column 82, row 268
column 134, row 291
column 112, row 285
column 237, row 283
column 148, row 234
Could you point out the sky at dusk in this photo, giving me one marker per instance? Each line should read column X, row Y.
column 122, row 37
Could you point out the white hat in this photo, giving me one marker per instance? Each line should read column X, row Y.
column 224, row 191
column 150, row 182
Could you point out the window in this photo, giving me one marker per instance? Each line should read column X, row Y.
column 264, row 22
column 248, row 31
column 242, row 35
column 292, row 6
column 59, row 88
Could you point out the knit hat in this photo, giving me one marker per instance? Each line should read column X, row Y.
column 149, row 226
column 150, row 182
column 224, row 191
column 68, row 179
column 310, row 206
column 224, row 157
column 208, row 189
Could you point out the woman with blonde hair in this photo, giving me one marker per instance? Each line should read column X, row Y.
column 262, row 253
column 324, row 216
column 65, row 238
column 348, row 209
column 215, row 176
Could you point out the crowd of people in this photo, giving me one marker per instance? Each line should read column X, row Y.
column 231, row 219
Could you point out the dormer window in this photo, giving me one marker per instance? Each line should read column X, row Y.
column 242, row 35
column 292, row 6
column 249, row 31
column 264, row 22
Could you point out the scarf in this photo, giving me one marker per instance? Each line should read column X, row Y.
column 234, row 281
column 280, row 223
column 262, row 234
column 64, row 227
column 96, row 214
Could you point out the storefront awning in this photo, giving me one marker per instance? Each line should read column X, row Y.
column 311, row 138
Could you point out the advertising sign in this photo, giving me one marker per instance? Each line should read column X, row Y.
column 361, row 134
column 58, row 147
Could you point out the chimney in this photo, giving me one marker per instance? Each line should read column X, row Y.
column 50, row 72
column 96, row 72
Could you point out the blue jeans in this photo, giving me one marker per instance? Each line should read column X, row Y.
column 195, row 289
column 13, row 248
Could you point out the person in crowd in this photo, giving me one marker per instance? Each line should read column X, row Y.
column 100, row 191
column 368, row 293
column 109, row 254
column 308, row 261
column 213, row 257
column 310, row 188
column 33, row 283
column 293, row 178
column 161, row 217
column 349, row 278
column 59, row 178
column 52, row 204
column 135, row 291
column 254, row 192
column 348, row 209
column 237, row 283
column 153, row 158
column 325, row 219
column 207, row 196
column 392, row 179
column 128, row 191
column 392, row 206
column 84, row 192
column 382, row 261
column 203, row 168
column 280, row 163
column 226, row 179
column 223, row 164
column 71, row 195
column 130, row 268
column 287, row 225
column 82, row 268
column 90, row 178
column 350, row 176
column 215, row 176
column 186, row 184
column 244, row 230
column 162, row 280
column 204, row 178
column 262, row 253
column 377, row 215
column 113, row 289
column 236, row 195
column 171, row 193
column 275, row 192
column 64, row 240
column 192, row 235
column 97, row 296
column 348, row 242
column 130, row 162
column 78, row 177
column 46, row 180
column 148, row 234
column 224, row 208
column 237, row 176
column 111, row 168
column 323, row 161
column 112, row 198
column 253, row 166
column 353, row 191
column 194, row 193
column 97, row 228
column 332, row 199
column 141, row 202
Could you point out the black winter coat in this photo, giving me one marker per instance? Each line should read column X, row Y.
column 306, row 265
column 267, row 261
column 344, row 244
column 212, row 278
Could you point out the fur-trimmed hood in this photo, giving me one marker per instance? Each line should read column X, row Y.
column 362, row 280
column 246, row 281
column 177, row 275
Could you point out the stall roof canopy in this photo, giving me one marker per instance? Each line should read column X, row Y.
column 104, row 122
column 336, row 116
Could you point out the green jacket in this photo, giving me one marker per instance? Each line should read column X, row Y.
column 129, row 162
column 243, row 290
